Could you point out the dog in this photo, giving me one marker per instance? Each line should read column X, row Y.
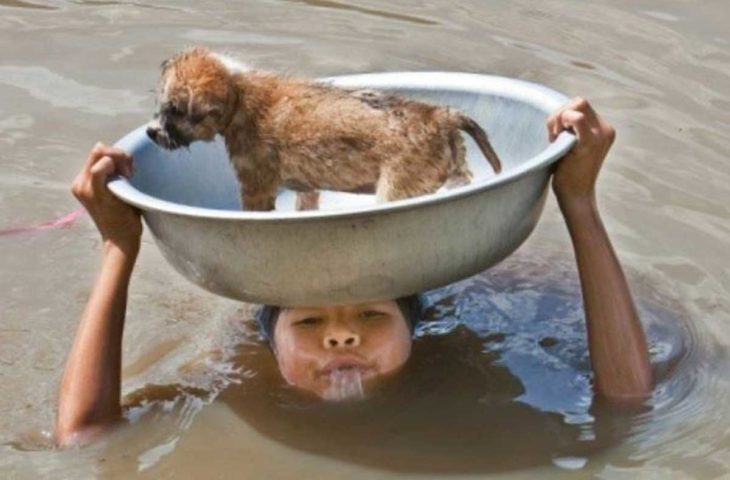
column 308, row 136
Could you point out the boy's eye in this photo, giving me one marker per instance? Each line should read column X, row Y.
column 371, row 314
column 308, row 321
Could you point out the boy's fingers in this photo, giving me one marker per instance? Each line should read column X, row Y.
column 122, row 161
column 100, row 171
column 551, row 127
column 555, row 123
column 577, row 121
column 581, row 115
column 96, row 152
column 100, row 150
column 556, row 128
column 581, row 105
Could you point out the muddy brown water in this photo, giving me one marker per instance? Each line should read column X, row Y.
column 507, row 397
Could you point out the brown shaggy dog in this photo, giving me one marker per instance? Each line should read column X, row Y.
column 308, row 136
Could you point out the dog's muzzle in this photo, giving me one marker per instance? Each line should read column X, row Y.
column 153, row 133
column 157, row 134
column 168, row 138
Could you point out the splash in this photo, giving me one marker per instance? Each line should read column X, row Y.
column 345, row 384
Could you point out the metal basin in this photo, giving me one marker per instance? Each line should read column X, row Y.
column 353, row 249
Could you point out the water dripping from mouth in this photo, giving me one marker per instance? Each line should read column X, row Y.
column 345, row 384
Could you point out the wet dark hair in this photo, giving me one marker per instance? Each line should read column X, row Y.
column 410, row 306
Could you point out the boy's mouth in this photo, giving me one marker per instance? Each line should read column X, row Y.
column 347, row 366
column 345, row 380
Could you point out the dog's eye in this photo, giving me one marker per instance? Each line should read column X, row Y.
column 199, row 116
column 174, row 110
column 215, row 112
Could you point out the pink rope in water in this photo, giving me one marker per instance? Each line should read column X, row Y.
column 65, row 221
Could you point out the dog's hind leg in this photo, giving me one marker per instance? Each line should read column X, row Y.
column 459, row 173
column 308, row 200
column 398, row 183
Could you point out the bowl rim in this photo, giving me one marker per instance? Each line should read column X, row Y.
column 539, row 96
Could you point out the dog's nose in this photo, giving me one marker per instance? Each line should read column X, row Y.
column 152, row 133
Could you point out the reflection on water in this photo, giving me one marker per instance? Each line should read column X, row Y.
column 366, row 11
column 60, row 92
column 21, row 4
column 499, row 380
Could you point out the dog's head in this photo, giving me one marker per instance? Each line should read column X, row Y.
column 196, row 99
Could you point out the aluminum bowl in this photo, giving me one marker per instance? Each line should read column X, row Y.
column 352, row 249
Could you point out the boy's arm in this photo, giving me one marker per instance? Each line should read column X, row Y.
column 89, row 399
column 616, row 341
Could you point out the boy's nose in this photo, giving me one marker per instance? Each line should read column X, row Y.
column 341, row 338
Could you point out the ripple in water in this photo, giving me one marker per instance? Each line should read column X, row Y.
column 499, row 379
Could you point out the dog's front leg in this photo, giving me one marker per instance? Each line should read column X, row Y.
column 261, row 202
column 257, row 197
column 258, row 187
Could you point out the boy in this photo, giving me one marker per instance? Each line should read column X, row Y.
column 329, row 350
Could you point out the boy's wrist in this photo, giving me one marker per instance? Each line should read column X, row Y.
column 125, row 252
column 575, row 206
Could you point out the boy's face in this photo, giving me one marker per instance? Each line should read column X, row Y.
column 338, row 352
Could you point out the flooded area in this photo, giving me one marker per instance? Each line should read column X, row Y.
column 499, row 385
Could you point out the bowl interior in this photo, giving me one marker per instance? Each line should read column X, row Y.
column 202, row 176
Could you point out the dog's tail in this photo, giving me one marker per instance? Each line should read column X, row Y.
column 480, row 137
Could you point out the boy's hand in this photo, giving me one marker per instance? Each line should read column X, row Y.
column 118, row 223
column 576, row 173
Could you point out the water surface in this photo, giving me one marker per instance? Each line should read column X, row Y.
column 74, row 72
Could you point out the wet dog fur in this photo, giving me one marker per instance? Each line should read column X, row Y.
column 306, row 135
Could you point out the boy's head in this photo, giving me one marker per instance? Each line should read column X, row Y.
column 336, row 352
